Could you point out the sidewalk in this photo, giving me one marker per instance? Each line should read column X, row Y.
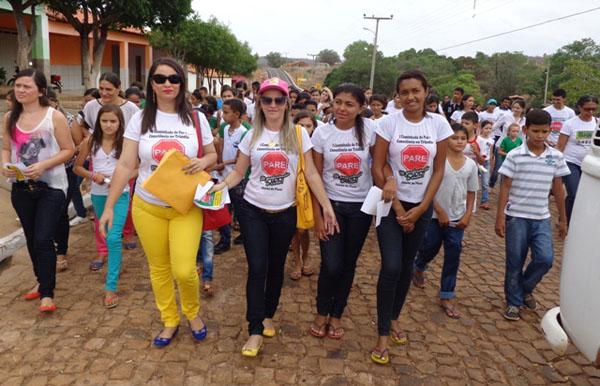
column 83, row 343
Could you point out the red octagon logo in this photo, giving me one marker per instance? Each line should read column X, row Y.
column 556, row 126
column 414, row 157
column 164, row 145
column 274, row 163
column 348, row 164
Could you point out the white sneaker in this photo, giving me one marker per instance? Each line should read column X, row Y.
column 77, row 220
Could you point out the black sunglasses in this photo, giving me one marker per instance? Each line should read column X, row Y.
column 279, row 101
column 160, row 79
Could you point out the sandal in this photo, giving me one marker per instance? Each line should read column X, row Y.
column 208, row 289
column 111, row 301
column 419, row 279
column 398, row 337
column 335, row 332
column 449, row 310
column 96, row 265
column 318, row 330
column 380, row 357
column 308, row 270
column 296, row 274
column 61, row 264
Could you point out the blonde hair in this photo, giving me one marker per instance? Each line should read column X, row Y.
column 289, row 141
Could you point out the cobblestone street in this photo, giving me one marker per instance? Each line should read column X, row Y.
column 84, row 343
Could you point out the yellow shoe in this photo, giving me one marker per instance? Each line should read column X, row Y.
column 381, row 358
column 398, row 337
column 269, row 332
column 251, row 352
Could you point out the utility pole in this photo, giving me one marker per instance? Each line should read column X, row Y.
column 377, row 19
column 313, row 57
column 546, row 86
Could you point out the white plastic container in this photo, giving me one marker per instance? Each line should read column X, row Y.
column 578, row 316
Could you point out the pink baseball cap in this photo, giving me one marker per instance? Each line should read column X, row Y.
column 274, row 84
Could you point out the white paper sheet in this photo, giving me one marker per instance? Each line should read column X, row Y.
column 369, row 206
column 383, row 209
column 204, row 202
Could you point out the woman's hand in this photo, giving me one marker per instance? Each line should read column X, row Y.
column 196, row 165
column 34, row 171
column 320, row 229
column 411, row 216
column 330, row 221
column 6, row 172
column 98, row 178
column 106, row 221
column 217, row 187
column 389, row 190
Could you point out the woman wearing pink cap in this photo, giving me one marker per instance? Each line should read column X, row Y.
column 268, row 210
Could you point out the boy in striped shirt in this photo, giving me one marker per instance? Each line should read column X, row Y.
column 531, row 171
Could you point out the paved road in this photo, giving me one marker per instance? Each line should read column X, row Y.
column 83, row 343
column 281, row 74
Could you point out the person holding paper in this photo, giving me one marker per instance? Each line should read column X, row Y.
column 408, row 164
column 37, row 139
column 268, row 211
column 170, row 239
column 342, row 154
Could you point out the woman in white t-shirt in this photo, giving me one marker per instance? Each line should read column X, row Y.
column 468, row 101
column 35, row 146
column 501, row 127
column 342, row 153
column 268, row 211
column 408, row 164
column 170, row 239
column 575, row 141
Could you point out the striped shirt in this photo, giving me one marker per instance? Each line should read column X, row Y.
column 532, row 177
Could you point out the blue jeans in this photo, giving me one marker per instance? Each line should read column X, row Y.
column 452, row 239
column 485, row 182
column 205, row 254
column 73, row 194
column 225, row 232
column 398, row 250
column 39, row 208
column 497, row 163
column 338, row 258
column 114, row 236
column 521, row 235
column 268, row 237
column 571, row 183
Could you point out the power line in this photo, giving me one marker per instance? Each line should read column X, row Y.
column 518, row 29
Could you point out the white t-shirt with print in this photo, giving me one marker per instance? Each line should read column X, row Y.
column 485, row 146
column 452, row 194
column 457, row 115
column 485, row 116
column 90, row 111
column 169, row 133
column 391, row 108
column 580, row 135
column 272, row 182
column 230, row 146
column 346, row 166
column 559, row 117
column 412, row 149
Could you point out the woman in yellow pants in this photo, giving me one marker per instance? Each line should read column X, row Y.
column 170, row 239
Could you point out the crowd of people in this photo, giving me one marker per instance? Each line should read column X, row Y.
column 429, row 156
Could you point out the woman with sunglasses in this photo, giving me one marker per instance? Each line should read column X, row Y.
column 408, row 165
column 109, row 87
column 268, row 211
column 170, row 239
column 575, row 141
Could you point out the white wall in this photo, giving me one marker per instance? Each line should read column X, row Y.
column 216, row 90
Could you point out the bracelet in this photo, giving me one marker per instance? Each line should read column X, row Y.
column 392, row 177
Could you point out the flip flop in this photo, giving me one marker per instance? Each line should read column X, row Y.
column 398, row 337
column 111, row 301
column 380, row 357
column 308, row 270
column 318, row 330
column 296, row 275
column 449, row 310
column 96, row 265
column 336, row 333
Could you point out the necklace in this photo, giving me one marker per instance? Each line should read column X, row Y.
column 272, row 142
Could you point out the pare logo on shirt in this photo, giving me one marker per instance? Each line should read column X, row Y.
column 348, row 166
column 274, row 165
column 164, row 145
column 415, row 159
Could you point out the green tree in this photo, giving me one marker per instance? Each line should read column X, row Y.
column 583, row 78
column 24, row 37
column 100, row 16
column 328, row 56
column 274, row 59
column 585, row 50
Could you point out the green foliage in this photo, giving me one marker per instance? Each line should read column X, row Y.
column 328, row 56
column 274, row 59
column 582, row 78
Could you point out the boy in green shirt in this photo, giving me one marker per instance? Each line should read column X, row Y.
column 511, row 141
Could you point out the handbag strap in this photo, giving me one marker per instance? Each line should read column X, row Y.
column 300, row 153
column 196, row 121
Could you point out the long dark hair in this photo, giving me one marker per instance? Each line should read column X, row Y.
column 17, row 108
column 182, row 105
column 414, row 74
column 96, row 139
column 358, row 94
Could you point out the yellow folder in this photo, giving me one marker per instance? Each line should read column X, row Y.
column 170, row 184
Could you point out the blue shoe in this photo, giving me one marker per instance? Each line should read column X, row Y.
column 199, row 335
column 164, row 342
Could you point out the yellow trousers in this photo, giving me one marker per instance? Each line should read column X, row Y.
column 170, row 241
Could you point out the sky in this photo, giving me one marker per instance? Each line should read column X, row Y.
column 299, row 28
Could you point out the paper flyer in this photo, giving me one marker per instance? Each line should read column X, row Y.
column 19, row 169
column 212, row 201
column 375, row 206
